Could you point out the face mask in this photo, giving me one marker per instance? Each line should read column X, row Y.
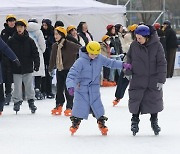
column 108, row 42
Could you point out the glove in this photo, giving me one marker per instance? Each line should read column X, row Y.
column 159, row 86
column 71, row 91
column 17, row 62
column 112, row 50
column 127, row 66
column 36, row 68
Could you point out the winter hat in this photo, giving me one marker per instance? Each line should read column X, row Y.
column 132, row 27
column 33, row 20
column 93, row 47
column 61, row 30
column 105, row 37
column 167, row 22
column 58, row 23
column 21, row 22
column 69, row 28
column 142, row 30
column 157, row 26
column 109, row 27
column 10, row 17
column 47, row 21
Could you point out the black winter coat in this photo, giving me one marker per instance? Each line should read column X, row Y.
column 171, row 39
column 25, row 49
column 6, row 34
column 116, row 43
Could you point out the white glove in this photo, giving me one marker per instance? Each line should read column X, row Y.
column 159, row 86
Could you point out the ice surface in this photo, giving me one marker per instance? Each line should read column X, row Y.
column 43, row 133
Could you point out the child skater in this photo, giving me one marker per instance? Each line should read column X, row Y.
column 83, row 81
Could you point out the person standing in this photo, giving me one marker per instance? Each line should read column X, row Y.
column 4, row 49
column 146, row 55
column 25, row 49
column 6, row 34
column 48, row 32
column 36, row 34
column 63, row 55
column 171, row 47
column 82, row 30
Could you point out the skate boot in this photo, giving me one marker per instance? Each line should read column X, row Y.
column 101, row 125
column 57, row 110
column 38, row 94
column 7, row 99
column 154, row 126
column 116, row 101
column 17, row 106
column 134, row 125
column 50, row 96
column 32, row 107
column 68, row 112
column 75, row 124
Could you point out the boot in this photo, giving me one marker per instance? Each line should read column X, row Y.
column 75, row 124
column 68, row 112
column 50, row 96
column 32, row 107
column 57, row 110
column 134, row 125
column 154, row 126
column 7, row 99
column 17, row 106
column 116, row 101
column 39, row 95
column 101, row 125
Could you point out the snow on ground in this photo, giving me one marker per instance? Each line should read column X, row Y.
column 43, row 133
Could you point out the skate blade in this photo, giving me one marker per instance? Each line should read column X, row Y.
column 72, row 130
column 104, row 131
column 55, row 113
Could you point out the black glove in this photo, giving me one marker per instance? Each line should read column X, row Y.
column 36, row 68
column 17, row 62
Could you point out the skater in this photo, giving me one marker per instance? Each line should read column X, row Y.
column 6, row 34
column 25, row 49
column 63, row 55
column 116, row 50
column 82, row 30
column 171, row 47
column 83, row 81
column 10, row 54
column 148, row 76
column 48, row 32
column 123, row 82
column 36, row 34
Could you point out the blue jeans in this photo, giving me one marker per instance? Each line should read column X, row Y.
column 112, row 71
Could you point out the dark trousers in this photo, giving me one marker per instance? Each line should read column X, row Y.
column 171, row 54
column 61, row 89
column 106, row 72
column 37, row 82
column 154, row 116
column 1, row 97
column 121, row 86
column 46, row 86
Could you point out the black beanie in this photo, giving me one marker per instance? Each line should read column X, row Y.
column 59, row 23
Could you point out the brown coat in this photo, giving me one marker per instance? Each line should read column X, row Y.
column 148, row 69
column 69, row 55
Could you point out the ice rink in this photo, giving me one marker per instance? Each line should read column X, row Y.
column 43, row 133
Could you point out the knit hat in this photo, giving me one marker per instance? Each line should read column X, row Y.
column 58, row 23
column 21, row 22
column 10, row 17
column 109, row 27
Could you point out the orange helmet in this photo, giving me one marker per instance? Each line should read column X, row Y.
column 105, row 37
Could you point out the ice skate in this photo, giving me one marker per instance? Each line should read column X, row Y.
column 116, row 101
column 68, row 112
column 57, row 110
column 134, row 125
column 154, row 126
column 39, row 95
column 101, row 125
column 75, row 124
column 7, row 99
column 17, row 106
column 32, row 107
column 50, row 96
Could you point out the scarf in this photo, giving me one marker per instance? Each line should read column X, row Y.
column 59, row 62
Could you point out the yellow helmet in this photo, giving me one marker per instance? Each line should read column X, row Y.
column 62, row 30
column 69, row 28
column 132, row 27
column 22, row 21
column 93, row 47
column 105, row 37
column 10, row 16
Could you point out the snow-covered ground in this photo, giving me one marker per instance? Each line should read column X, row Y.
column 43, row 133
